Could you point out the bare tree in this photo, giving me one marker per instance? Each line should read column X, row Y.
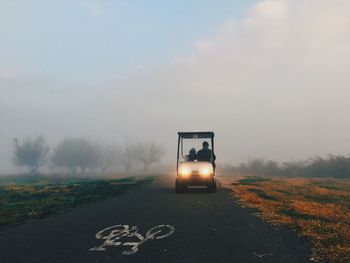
column 108, row 156
column 148, row 153
column 31, row 152
column 128, row 157
column 76, row 154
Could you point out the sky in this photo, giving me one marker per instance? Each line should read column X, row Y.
column 269, row 77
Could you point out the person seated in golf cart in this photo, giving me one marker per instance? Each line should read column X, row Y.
column 191, row 156
column 205, row 154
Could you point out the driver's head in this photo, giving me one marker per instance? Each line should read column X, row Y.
column 205, row 145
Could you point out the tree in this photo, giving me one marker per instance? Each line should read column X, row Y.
column 108, row 155
column 76, row 154
column 128, row 157
column 256, row 166
column 31, row 152
column 148, row 153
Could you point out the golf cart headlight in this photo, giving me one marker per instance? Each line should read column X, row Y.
column 185, row 172
column 205, row 172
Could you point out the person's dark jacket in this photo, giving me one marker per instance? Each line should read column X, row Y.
column 205, row 155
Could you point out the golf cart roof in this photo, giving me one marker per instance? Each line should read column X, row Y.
column 196, row 135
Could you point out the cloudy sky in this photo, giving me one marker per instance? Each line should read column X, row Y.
column 271, row 77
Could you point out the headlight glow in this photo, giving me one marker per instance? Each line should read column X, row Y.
column 205, row 172
column 185, row 172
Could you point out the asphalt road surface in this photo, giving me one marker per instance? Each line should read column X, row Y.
column 191, row 227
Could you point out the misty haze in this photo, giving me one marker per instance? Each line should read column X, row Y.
column 106, row 109
column 269, row 83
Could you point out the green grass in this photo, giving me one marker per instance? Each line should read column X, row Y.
column 334, row 184
column 296, row 215
column 262, row 194
column 253, row 180
column 26, row 198
column 325, row 199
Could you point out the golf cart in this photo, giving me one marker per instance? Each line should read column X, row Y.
column 193, row 169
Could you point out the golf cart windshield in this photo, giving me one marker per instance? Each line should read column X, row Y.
column 193, row 141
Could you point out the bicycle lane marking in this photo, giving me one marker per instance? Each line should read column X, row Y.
column 113, row 236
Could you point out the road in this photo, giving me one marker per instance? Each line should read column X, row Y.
column 207, row 228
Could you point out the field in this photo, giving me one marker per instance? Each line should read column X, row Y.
column 318, row 208
column 27, row 198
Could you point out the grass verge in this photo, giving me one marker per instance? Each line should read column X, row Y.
column 26, row 198
column 318, row 208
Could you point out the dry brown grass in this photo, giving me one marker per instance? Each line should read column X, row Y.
column 318, row 208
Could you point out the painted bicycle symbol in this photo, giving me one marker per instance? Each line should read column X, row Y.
column 113, row 236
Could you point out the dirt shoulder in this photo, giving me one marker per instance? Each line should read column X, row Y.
column 318, row 208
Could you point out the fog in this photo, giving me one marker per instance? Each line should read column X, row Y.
column 273, row 84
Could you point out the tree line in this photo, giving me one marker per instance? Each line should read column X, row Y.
column 81, row 155
column 336, row 166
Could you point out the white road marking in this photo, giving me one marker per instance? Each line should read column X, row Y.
column 113, row 235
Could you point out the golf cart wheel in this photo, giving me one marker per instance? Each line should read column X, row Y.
column 179, row 187
column 211, row 187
